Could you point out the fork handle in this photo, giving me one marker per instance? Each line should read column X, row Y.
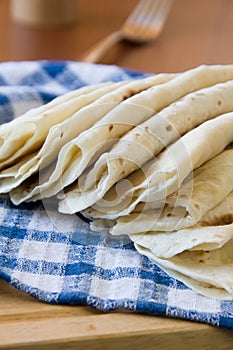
column 101, row 48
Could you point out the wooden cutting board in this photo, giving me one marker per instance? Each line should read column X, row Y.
column 26, row 323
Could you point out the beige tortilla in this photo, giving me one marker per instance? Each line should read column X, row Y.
column 213, row 231
column 164, row 175
column 63, row 132
column 207, row 272
column 28, row 136
column 144, row 142
column 103, row 112
column 80, row 198
column 7, row 128
column 211, row 183
column 201, row 76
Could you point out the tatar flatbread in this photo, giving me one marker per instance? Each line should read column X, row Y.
column 103, row 112
column 164, row 175
column 28, row 135
column 211, row 183
column 207, row 272
column 213, row 231
column 70, row 128
column 146, row 141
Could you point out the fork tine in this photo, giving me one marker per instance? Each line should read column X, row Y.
column 148, row 16
column 137, row 19
column 160, row 16
column 142, row 25
column 153, row 7
column 138, row 13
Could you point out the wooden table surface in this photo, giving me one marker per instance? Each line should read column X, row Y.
column 197, row 32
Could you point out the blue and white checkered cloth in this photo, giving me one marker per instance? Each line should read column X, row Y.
column 55, row 257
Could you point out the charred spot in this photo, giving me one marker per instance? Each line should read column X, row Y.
column 127, row 95
column 110, row 127
column 201, row 261
column 169, row 128
column 219, row 102
column 62, row 134
column 226, row 219
column 204, row 223
column 146, row 128
column 121, row 161
column 137, row 134
column 196, row 206
column 220, row 220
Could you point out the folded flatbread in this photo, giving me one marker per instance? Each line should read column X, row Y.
column 201, row 256
column 7, row 128
column 152, row 100
column 78, row 129
column 207, row 272
column 163, row 176
column 213, row 231
column 177, row 208
column 71, row 127
column 145, row 141
column 28, row 135
column 210, row 184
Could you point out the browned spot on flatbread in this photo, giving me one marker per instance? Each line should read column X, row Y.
column 110, row 127
column 219, row 220
column 128, row 94
column 121, row 161
column 230, row 146
column 169, row 128
column 219, row 102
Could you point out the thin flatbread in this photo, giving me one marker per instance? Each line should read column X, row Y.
column 7, row 128
column 207, row 272
column 210, row 184
column 163, row 176
column 213, row 231
column 28, row 135
column 70, row 128
column 144, row 142
column 104, row 110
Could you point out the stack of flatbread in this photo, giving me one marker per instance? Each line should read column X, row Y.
column 150, row 158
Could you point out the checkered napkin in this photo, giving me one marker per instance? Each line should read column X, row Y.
column 55, row 257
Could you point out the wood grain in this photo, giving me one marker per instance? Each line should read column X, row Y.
column 26, row 323
column 196, row 32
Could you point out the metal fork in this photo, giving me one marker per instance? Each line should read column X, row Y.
column 144, row 24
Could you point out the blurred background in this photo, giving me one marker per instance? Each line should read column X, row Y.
column 196, row 32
